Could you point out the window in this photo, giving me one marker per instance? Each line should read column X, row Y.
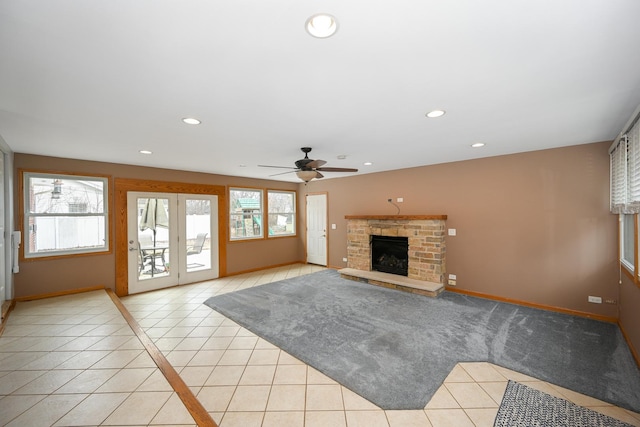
column 64, row 214
column 627, row 242
column 282, row 213
column 245, row 216
column 625, row 191
column 246, row 209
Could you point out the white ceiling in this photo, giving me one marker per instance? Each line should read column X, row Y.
column 101, row 80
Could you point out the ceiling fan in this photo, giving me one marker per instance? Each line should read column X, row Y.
column 308, row 169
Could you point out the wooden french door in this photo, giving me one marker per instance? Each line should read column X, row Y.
column 196, row 270
column 170, row 239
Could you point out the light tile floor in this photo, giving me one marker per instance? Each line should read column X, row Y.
column 74, row 361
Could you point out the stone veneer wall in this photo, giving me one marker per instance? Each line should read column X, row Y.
column 426, row 235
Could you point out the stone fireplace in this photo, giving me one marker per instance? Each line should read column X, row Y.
column 426, row 250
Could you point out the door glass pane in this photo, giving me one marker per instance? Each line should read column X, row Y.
column 153, row 238
column 198, row 234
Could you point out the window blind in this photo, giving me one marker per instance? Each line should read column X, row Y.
column 625, row 172
column 618, row 168
column 633, row 169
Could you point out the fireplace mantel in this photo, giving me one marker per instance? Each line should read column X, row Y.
column 398, row 217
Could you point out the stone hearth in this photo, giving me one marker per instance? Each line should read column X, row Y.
column 427, row 250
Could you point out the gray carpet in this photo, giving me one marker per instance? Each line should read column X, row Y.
column 395, row 349
column 524, row 406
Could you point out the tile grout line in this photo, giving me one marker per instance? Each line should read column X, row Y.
column 193, row 405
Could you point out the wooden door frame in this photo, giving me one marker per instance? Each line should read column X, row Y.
column 124, row 185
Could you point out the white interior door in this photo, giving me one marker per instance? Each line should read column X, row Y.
column 317, row 229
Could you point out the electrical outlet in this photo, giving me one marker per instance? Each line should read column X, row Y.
column 610, row 301
column 344, row 260
column 595, row 300
column 452, row 277
column 452, row 231
column 452, row 282
column 400, row 199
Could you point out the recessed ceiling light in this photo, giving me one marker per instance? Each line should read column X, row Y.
column 478, row 145
column 368, row 163
column 342, row 156
column 435, row 113
column 145, row 152
column 321, row 25
column 191, row 121
column 242, row 166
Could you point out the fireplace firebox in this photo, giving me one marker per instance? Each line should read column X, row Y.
column 390, row 254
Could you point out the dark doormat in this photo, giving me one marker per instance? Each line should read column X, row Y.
column 524, row 406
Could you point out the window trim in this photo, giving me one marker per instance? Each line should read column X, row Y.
column 631, row 268
column 264, row 212
column 229, row 213
column 631, row 272
column 295, row 213
column 23, row 214
column 624, row 190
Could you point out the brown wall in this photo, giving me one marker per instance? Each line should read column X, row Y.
column 533, row 227
column 39, row 277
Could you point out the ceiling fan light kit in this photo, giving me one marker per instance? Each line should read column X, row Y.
column 306, row 176
column 307, row 169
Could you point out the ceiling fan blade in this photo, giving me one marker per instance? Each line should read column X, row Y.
column 282, row 173
column 319, row 175
column 315, row 164
column 337, row 169
column 280, row 167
